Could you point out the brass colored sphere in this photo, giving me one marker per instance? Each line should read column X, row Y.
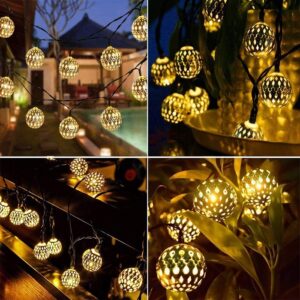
column 70, row 278
column 41, row 251
column 210, row 25
column 198, row 101
column 31, row 218
column 214, row 10
column 111, row 58
column 181, row 268
column 215, row 199
column 35, row 58
column 16, row 216
column 130, row 280
column 91, row 260
column 35, row 118
column 68, row 128
column 111, row 119
column 7, row 27
column 183, row 229
column 139, row 28
column 248, row 130
column 4, row 209
column 68, row 67
column 79, row 166
column 174, row 108
column 6, row 87
column 259, row 40
column 163, row 71
column 276, row 90
column 94, row 181
column 54, row 245
column 140, row 89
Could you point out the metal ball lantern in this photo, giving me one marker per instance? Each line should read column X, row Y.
column 6, row 87
column 4, row 209
column 41, row 251
column 139, row 28
column 215, row 199
column 7, row 27
column 16, row 216
column 35, row 58
column 94, row 181
column 130, row 280
column 111, row 58
column 68, row 67
column 31, row 218
column 111, row 119
column 70, row 278
column 181, row 268
column 214, row 10
column 163, row 71
column 79, row 166
column 188, row 62
column 54, row 245
column 68, row 128
column 35, row 118
column 91, row 260
column 140, row 88
column 248, row 130
column 198, row 101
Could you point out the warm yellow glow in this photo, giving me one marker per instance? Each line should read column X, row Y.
column 130, row 280
column 214, row 10
column 16, row 216
column 68, row 67
column 70, row 278
column 94, row 181
column 79, row 166
column 31, row 218
column 7, row 27
column 54, row 246
column 248, row 130
column 68, row 128
column 4, row 209
column 35, row 118
column 198, row 101
column 163, row 71
column 140, row 88
column 111, row 119
column 91, row 260
column 111, row 58
column 6, row 87
column 41, row 251
column 139, row 28
column 35, row 58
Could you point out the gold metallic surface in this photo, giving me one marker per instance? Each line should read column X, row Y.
column 139, row 28
column 94, row 181
column 7, row 27
column 4, row 209
column 140, row 89
column 198, row 100
column 163, row 71
column 214, row 10
column 35, row 58
column 6, row 87
column 68, row 128
column 130, row 280
column 91, row 260
column 16, row 216
column 111, row 118
column 79, row 166
column 68, row 67
column 35, row 118
column 41, row 251
column 31, row 218
column 111, row 58
column 70, row 278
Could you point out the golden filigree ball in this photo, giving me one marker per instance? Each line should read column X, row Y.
column 111, row 118
column 181, row 268
column 130, row 280
column 7, row 27
column 188, row 62
column 70, row 278
column 35, row 58
column 6, row 87
column 4, row 209
column 91, row 260
column 79, row 166
column 174, row 108
column 276, row 90
column 54, row 246
column 68, row 128
column 248, row 130
column 111, row 58
column 94, row 181
column 68, row 67
column 31, row 218
column 163, row 71
column 210, row 25
column 259, row 40
column 214, row 10
column 140, row 89
column 181, row 228
column 215, row 199
column 139, row 28
column 198, row 101
column 41, row 251
column 257, row 187
column 16, row 216
column 35, row 118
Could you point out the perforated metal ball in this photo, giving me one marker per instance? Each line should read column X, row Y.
column 91, row 260
column 16, row 216
column 214, row 10
column 198, row 101
column 111, row 58
column 35, row 58
column 68, row 128
column 183, row 229
column 31, row 218
column 259, row 40
column 79, row 166
column 163, row 71
column 181, row 268
column 6, row 87
column 174, row 108
column 276, row 90
column 215, row 199
column 249, row 130
column 35, row 118
column 4, row 209
column 54, row 245
column 70, row 278
column 130, row 280
column 140, row 89
column 188, row 62
column 41, row 251
column 7, row 27
column 68, row 67
column 210, row 25
column 139, row 28
column 111, row 118
column 94, row 181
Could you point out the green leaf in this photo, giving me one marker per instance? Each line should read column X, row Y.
column 171, row 295
column 178, row 198
column 232, row 220
column 237, row 162
column 221, row 259
column 201, row 174
column 247, row 295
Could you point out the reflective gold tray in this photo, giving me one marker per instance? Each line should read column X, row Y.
column 281, row 130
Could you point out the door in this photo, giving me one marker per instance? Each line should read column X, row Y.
column 37, row 80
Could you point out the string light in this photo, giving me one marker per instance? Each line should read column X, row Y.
column 163, row 71
column 276, row 90
column 130, row 280
column 68, row 67
column 16, row 216
column 70, row 278
column 31, row 218
column 35, row 58
column 6, row 87
column 91, row 260
column 139, row 28
column 198, row 101
column 7, row 27
column 214, row 10
column 4, row 209
column 79, row 166
column 35, row 118
column 68, row 128
column 210, row 25
column 215, row 199
column 248, row 130
column 181, row 268
column 111, row 58
column 41, row 251
column 188, row 62
column 94, row 181
column 54, row 246
column 139, row 89
column 111, row 119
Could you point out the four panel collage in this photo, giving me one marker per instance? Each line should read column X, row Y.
column 149, row 150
